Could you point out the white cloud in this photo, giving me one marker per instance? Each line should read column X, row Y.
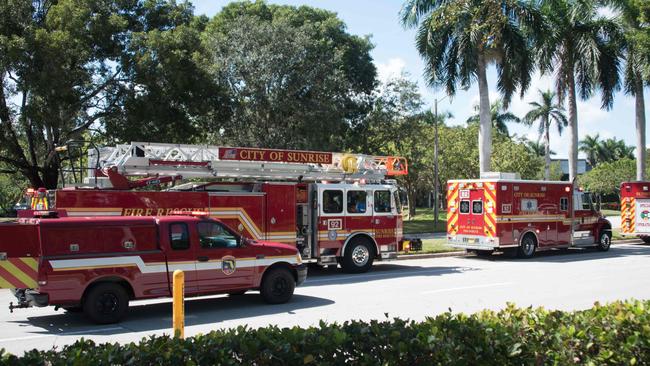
column 391, row 69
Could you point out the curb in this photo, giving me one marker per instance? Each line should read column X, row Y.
column 464, row 254
column 431, row 255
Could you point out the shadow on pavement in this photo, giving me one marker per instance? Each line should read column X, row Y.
column 333, row 276
column 575, row 254
column 158, row 316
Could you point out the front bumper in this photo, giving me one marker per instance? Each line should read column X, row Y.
column 37, row 299
column 301, row 272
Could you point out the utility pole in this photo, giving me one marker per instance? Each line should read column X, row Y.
column 436, row 184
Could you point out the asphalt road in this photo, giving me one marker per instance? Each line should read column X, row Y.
column 414, row 289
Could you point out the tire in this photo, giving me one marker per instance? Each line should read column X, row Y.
column 646, row 239
column 358, row 257
column 605, row 241
column 527, row 247
column 277, row 286
column 106, row 303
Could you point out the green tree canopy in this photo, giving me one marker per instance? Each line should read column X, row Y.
column 606, row 178
column 64, row 66
column 294, row 76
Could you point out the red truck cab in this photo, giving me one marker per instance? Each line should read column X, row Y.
column 99, row 264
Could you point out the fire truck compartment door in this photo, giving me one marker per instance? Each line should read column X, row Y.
column 642, row 212
column 223, row 262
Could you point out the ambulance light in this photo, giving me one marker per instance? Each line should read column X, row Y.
column 567, row 189
column 30, row 191
column 362, row 181
column 199, row 213
column 42, row 283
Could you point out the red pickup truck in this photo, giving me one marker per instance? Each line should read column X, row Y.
column 98, row 264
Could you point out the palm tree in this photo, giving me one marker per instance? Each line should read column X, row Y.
column 547, row 113
column 592, row 147
column 459, row 39
column 578, row 49
column 635, row 63
column 498, row 116
column 614, row 149
column 537, row 148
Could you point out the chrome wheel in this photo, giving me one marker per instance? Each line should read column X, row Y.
column 360, row 255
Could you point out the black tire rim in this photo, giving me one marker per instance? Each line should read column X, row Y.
column 280, row 286
column 605, row 241
column 107, row 303
column 528, row 246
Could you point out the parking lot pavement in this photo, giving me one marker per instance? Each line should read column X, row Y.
column 569, row 279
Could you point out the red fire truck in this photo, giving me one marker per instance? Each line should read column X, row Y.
column 334, row 207
column 98, row 264
column 635, row 209
column 503, row 213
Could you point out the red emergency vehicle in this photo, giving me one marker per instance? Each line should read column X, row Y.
column 503, row 213
column 635, row 209
column 99, row 264
column 334, row 207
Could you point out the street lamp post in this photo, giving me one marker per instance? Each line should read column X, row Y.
column 436, row 185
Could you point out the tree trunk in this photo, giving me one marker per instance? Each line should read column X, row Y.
column 573, row 127
column 485, row 127
column 547, row 150
column 640, row 129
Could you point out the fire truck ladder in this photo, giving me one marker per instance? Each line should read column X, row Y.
column 203, row 161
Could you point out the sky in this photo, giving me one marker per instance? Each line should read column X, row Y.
column 395, row 53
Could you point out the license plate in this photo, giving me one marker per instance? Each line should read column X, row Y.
column 470, row 240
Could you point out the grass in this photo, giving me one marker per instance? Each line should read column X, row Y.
column 430, row 246
column 422, row 222
column 611, row 212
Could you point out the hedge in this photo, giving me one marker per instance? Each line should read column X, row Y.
column 615, row 334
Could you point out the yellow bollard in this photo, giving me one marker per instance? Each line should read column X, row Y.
column 178, row 320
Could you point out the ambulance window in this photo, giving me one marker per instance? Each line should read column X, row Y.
column 464, row 206
column 382, row 201
column 357, row 201
column 179, row 236
column 477, row 207
column 332, row 201
column 564, row 204
column 528, row 204
column 586, row 201
column 213, row 235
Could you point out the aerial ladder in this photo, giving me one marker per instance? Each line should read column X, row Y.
column 158, row 163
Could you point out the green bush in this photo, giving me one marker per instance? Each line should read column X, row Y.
column 615, row 334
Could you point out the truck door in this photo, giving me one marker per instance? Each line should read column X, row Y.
column 385, row 219
column 180, row 254
column 224, row 260
column 584, row 219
